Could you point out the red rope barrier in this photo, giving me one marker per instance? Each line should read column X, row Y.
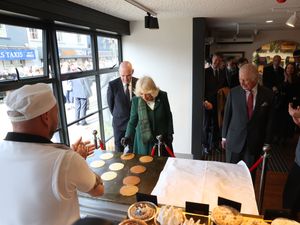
column 101, row 144
column 255, row 165
column 153, row 151
column 169, row 151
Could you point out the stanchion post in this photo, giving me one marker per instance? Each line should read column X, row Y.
column 95, row 138
column 159, row 138
column 262, row 182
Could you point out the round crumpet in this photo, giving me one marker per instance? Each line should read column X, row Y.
column 138, row 169
column 108, row 176
column 224, row 215
column 127, row 156
column 106, row 156
column 146, row 159
column 97, row 164
column 116, row 166
column 131, row 180
column 128, row 190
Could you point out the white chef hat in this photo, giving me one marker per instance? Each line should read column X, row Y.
column 29, row 101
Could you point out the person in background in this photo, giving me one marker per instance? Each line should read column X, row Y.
column 273, row 78
column 242, row 61
column 232, row 73
column 119, row 94
column 215, row 79
column 41, row 178
column 296, row 55
column 291, row 193
column 273, row 75
column 81, row 93
column 287, row 91
column 150, row 116
column 247, row 121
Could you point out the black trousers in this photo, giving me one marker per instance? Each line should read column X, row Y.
column 291, row 193
column 118, row 135
column 211, row 131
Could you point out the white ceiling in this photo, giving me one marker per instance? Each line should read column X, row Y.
column 220, row 14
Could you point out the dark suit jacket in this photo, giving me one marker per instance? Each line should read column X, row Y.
column 238, row 129
column 272, row 78
column 118, row 104
column 213, row 84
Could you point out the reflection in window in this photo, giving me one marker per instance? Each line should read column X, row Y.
column 80, row 99
column 108, row 52
column 33, row 33
column 86, row 132
column 104, row 80
column 3, row 31
column 76, row 53
column 107, row 121
column 21, row 53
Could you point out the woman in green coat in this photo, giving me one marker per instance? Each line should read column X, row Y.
column 150, row 116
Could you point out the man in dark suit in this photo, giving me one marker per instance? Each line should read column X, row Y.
column 273, row 75
column 273, row 78
column 232, row 72
column 247, row 120
column 215, row 79
column 119, row 94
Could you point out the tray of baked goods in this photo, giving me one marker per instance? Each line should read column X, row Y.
column 148, row 213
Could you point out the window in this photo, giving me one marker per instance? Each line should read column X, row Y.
column 108, row 51
column 19, row 55
column 78, row 38
column 3, row 31
column 74, row 56
column 33, row 34
column 107, row 117
column 59, row 37
column 22, row 58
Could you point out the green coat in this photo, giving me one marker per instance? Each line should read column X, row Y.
column 160, row 119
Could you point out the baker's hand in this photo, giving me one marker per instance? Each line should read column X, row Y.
column 83, row 148
column 207, row 105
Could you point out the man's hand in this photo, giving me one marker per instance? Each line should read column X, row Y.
column 207, row 105
column 83, row 148
column 125, row 141
column 223, row 143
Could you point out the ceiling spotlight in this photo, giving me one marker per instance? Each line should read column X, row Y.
column 292, row 20
column 151, row 22
column 269, row 21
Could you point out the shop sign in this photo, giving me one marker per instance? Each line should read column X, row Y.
column 17, row 54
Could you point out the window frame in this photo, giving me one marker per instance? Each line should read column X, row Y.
column 51, row 59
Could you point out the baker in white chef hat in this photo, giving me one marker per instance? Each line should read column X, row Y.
column 32, row 110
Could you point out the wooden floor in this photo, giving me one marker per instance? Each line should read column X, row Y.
column 275, row 181
column 273, row 190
